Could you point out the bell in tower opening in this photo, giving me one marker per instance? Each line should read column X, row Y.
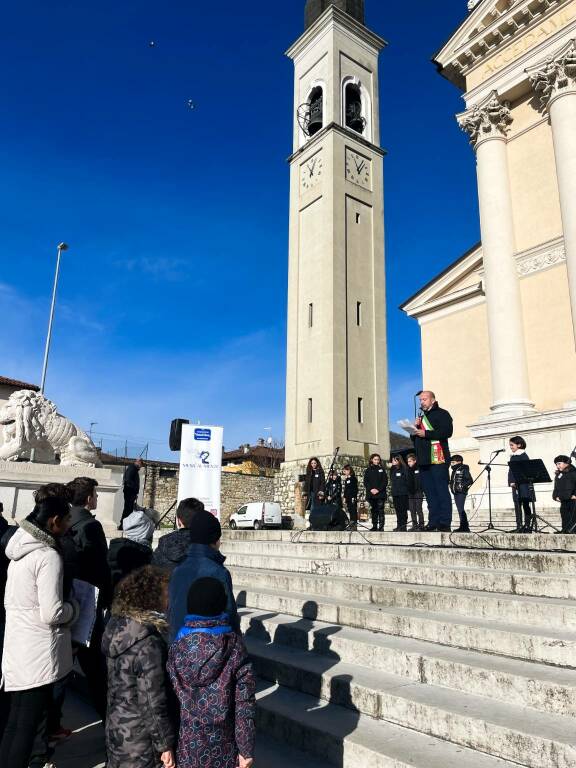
column 316, row 112
column 354, row 117
column 315, row 9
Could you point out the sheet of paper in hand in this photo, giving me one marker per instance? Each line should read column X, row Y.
column 407, row 426
column 86, row 596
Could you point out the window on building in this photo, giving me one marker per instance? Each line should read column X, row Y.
column 310, row 410
column 360, row 411
column 358, row 313
column 310, row 315
column 167, row 473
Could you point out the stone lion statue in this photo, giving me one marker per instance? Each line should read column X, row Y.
column 30, row 422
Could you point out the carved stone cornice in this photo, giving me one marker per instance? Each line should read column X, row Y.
column 555, row 76
column 488, row 120
column 538, row 259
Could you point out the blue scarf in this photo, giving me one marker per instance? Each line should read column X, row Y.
column 198, row 625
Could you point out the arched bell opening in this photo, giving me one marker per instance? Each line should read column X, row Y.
column 316, row 110
column 353, row 112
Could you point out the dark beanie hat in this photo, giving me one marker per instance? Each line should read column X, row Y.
column 564, row 459
column 206, row 597
column 204, row 528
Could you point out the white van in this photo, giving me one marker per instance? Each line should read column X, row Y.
column 259, row 514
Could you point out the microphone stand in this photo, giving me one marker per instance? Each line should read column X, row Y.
column 488, row 469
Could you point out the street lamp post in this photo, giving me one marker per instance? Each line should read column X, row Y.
column 61, row 247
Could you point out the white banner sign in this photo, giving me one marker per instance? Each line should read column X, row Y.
column 201, row 465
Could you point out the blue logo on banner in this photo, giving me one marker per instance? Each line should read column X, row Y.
column 203, row 434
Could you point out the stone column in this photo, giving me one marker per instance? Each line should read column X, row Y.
column 487, row 125
column 555, row 83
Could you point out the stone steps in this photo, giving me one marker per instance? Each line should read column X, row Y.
column 521, row 583
column 519, row 641
column 501, row 729
column 504, row 542
column 538, row 686
column 413, row 651
column 348, row 739
column 274, row 754
column 483, row 559
column 521, row 609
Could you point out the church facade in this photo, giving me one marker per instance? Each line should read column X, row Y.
column 508, row 305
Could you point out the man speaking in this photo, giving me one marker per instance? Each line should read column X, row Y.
column 433, row 428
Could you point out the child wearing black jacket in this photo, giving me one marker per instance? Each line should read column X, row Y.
column 351, row 494
column 460, row 483
column 416, row 494
column 565, row 492
column 400, row 491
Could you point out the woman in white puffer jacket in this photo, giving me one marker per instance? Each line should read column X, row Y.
column 37, row 643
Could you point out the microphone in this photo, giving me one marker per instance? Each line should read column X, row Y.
column 502, row 450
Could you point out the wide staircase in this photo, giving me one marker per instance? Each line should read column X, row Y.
column 420, row 650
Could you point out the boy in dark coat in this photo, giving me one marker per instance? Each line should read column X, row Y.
column 565, row 492
column 214, row 683
column 460, row 483
column 139, row 732
column 203, row 559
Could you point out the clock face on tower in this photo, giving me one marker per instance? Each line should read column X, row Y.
column 311, row 172
column 358, row 169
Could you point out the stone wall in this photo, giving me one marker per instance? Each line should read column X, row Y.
column 161, row 489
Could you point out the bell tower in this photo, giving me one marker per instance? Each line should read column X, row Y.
column 336, row 363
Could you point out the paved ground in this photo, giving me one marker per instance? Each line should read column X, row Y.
column 85, row 748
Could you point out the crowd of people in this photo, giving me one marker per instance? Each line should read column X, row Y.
column 156, row 634
column 428, row 471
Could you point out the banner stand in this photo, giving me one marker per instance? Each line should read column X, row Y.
column 201, row 465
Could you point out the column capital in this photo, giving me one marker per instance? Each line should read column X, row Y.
column 488, row 120
column 555, row 76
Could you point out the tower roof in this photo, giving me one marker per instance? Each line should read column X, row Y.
column 315, row 9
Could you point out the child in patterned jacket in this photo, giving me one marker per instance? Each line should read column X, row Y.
column 214, row 682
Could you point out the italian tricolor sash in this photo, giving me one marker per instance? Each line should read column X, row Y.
column 436, row 450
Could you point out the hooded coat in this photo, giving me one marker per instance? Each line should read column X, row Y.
column 138, row 725
column 214, row 682
column 172, row 549
column 37, row 643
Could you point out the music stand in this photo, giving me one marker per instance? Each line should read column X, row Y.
column 532, row 472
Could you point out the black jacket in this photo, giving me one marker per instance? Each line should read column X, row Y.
column 351, row 488
column 443, row 429
column 565, row 484
column 7, row 532
column 461, row 479
column 172, row 549
column 525, row 490
column 375, row 477
column 414, row 482
column 132, row 478
column 85, row 553
column 315, row 483
column 399, row 481
column 334, row 491
column 125, row 556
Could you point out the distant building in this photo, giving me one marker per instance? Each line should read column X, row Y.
column 253, row 459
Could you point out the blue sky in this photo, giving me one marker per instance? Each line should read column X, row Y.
column 172, row 298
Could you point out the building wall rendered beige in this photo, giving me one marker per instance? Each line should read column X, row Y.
column 456, row 365
column 521, row 43
column 549, row 340
column 534, row 187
